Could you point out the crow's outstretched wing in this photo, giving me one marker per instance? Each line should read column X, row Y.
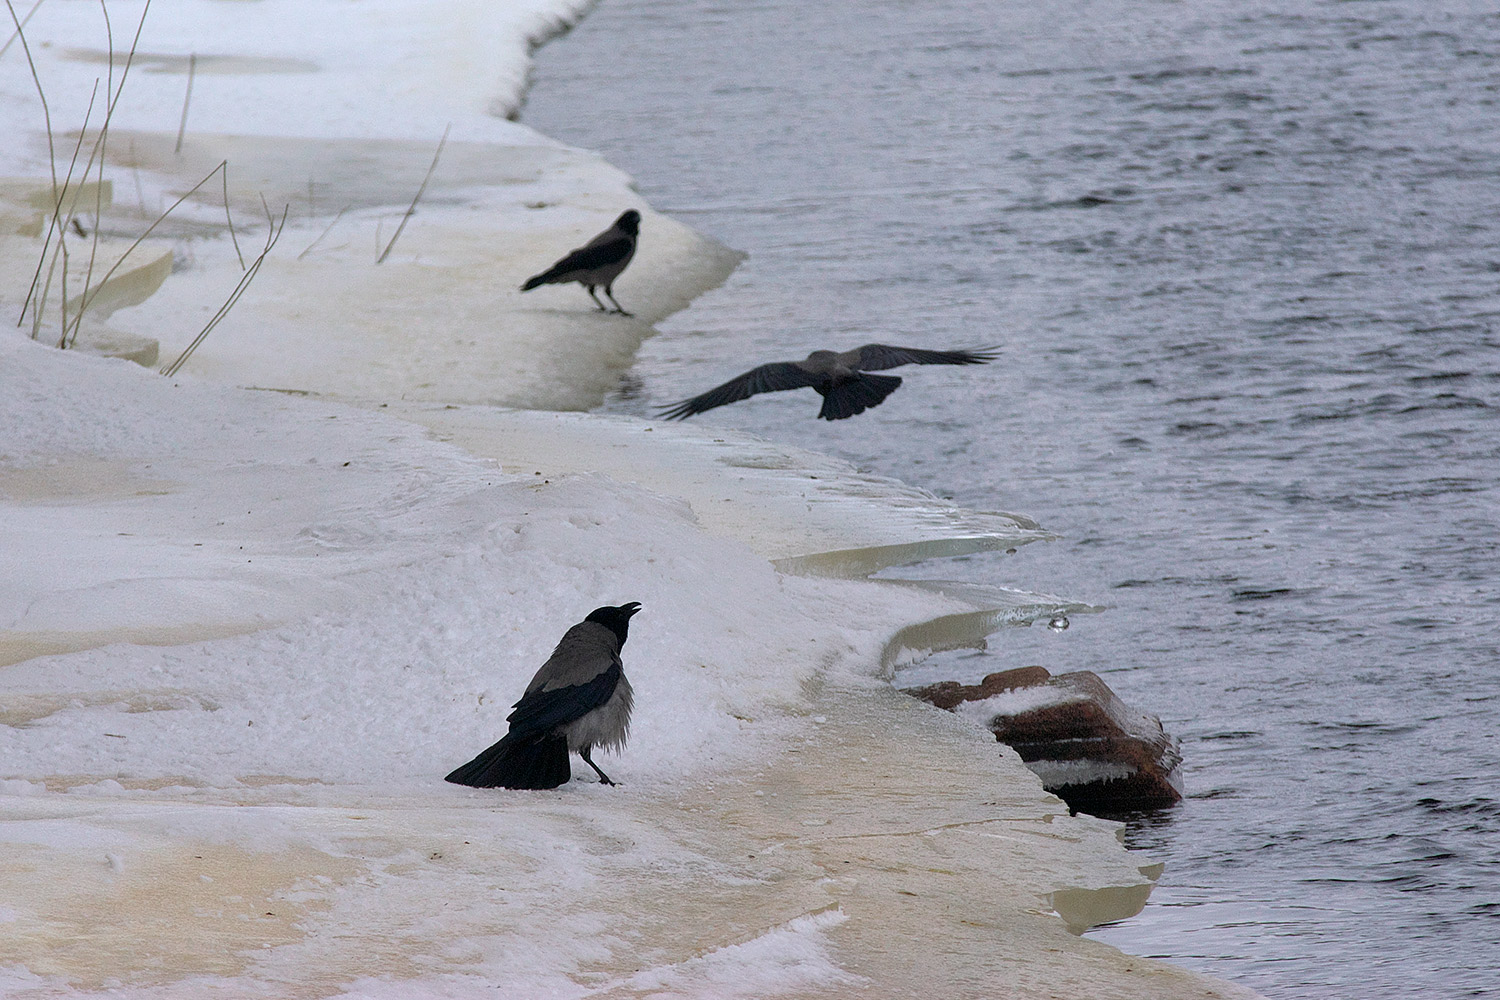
column 874, row 357
column 767, row 378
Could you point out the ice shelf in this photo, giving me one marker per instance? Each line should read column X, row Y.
column 874, row 845
column 807, row 513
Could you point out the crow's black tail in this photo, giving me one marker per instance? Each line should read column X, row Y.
column 539, row 279
column 536, row 763
column 857, row 395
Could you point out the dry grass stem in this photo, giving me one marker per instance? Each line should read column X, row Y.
column 325, row 232
column 62, row 246
column 98, row 155
column 412, row 210
column 186, row 99
column 19, row 26
column 273, row 234
column 96, row 152
column 54, row 221
column 66, row 192
column 62, row 216
column 46, row 116
column 91, row 293
column 230, row 219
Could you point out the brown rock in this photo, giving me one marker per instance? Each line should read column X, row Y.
column 948, row 695
column 1090, row 749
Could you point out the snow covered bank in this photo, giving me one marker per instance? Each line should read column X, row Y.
column 264, row 814
column 245, row 632
column 323, row 119
column 310, row 68
column 807, row 513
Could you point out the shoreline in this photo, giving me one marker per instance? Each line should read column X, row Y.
column 417, row 529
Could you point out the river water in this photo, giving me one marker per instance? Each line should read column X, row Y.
column 1243, row 262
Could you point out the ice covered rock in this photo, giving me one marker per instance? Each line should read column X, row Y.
column 1089, row 748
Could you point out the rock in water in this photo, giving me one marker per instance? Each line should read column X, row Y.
column 1090, row 749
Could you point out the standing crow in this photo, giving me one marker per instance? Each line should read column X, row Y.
column 839, row 378
column 578, row 700
column 597, row 262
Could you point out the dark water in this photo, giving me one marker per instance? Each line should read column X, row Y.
column 1244, row 263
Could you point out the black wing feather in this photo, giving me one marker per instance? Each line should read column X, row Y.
column 773, row 377
column 543, row 711
column 857, row 395
column 874, row 357
column 587, row 258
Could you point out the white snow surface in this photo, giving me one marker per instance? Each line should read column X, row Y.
column 423, row 588
column 366, row 69
column 427, row 584
column 1014, row 702
column 397, row 272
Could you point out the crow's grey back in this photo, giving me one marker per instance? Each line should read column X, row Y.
column 585, row 651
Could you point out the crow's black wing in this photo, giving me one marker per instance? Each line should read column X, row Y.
column 767, row 378
column 589, row 258
column 874, row 357
column 595, row 255
column 540, row 712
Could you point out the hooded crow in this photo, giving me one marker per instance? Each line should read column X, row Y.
column 578, row 700
column 597, row 262
column 839, row 378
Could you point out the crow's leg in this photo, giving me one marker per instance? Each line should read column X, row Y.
column 602, row 307
column 584, row 753
column 618, row 308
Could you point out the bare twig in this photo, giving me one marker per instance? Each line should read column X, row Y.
column 413, row 209
column 98, row 153
column 64, row 209
column 273, row 234
column 109, row 37
column 54, row 221
column 17, row 33
column 230, row 219
column 46, row 114
column 62, row 247
column 98, row 150
column 36, row 309
column 186, row 98
column 325, row 232
column 57, row 224
column 90, row 294
column 129, row 58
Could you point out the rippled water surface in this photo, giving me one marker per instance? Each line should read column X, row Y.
column 1243, row 261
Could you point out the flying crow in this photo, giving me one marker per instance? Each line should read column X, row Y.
column 597, row 262
column 839, row 378
column 578, row 700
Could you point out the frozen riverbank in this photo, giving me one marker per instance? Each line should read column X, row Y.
column 276, row 620
column 264, row 813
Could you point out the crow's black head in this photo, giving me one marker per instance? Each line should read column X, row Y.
column 630, row 222
column 616, row 619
